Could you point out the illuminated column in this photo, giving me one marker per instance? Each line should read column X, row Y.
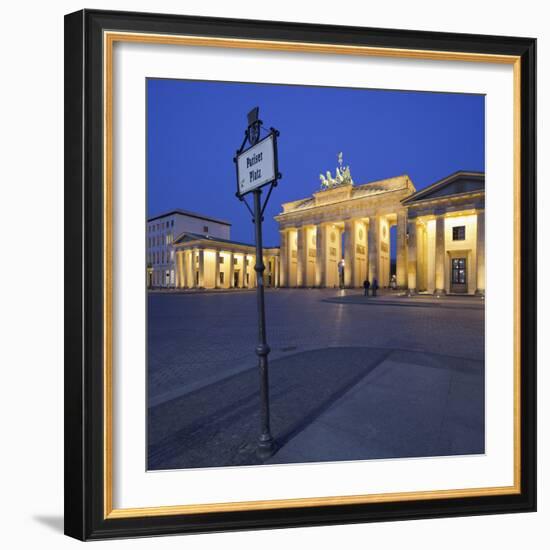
column 277, row 270
column 201, row 268
column 320, row 258
column 284, row 263
column 411, row 256
column 253, row 271
column 420, row 254
column 194, row 262
column 177, row 269
column 231, row 270
column 373, row 240
column 217, row 269
column 244, row 271
column 401, row 252
column 240, row 274
column 301, row 263
column 439, row 255
column 181, row 269
column 184, row 270
column 349, row 254
column 242, row 282
column 268, row 271
column 480, row 253
column 185, row 267
column 187, row 264
column 190, row 269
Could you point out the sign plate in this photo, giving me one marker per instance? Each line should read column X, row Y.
column 256, row 166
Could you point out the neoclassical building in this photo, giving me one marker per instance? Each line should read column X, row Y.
column 162, row 230
column 205, row 261
column 340, row 235
column 190, row 250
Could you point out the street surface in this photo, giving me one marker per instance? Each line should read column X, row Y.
column 351, row 377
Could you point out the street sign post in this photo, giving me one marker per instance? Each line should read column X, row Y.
column 257, row 166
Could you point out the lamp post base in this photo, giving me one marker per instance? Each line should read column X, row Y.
column 266, row 447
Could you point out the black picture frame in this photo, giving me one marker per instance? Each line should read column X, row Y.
column 85, row 517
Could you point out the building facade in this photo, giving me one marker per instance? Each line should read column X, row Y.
column 340, row 236
column 212, row 262
column 163, row 230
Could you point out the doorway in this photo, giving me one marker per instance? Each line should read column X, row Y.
column 236, row 279
column 459, row 279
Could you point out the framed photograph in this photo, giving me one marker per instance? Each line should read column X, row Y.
column 300, row 274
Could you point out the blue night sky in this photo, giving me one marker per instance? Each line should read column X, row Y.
column 195, row 127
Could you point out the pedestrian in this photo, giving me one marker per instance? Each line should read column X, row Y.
column 366, row 286
column 374, row 286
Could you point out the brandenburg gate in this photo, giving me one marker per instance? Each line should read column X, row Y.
column 341, row 234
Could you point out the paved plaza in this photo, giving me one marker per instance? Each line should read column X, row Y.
column 351, row 377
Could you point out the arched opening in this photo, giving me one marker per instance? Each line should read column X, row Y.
column 342, row 263
column 393, row 256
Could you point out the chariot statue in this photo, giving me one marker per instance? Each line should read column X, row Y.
column 343, row 175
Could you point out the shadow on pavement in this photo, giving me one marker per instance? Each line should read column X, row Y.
column 218, row 425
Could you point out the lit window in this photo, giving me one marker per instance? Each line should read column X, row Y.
column 459, row 233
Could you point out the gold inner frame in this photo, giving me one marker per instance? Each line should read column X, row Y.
column 109, row 39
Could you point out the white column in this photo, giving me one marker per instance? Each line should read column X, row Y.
column 176, row 267
column 194, row 258
column 180, row 271
column 373, row 240
column 401, row 252
column 231, row 270
column 285, row 260
column 301, row 260
column 190, row 272
column 349, row 254
column 420, row 256
column 244, row 271
column 439, row 255
column 217, row 269
column 252, row 272
column 201, row 268
column 480, row 253
column 240, row 282
column 411, row 256
column 184, row 269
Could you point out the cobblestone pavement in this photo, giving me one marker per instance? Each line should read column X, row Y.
column 350, row 377
column 194, row 339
